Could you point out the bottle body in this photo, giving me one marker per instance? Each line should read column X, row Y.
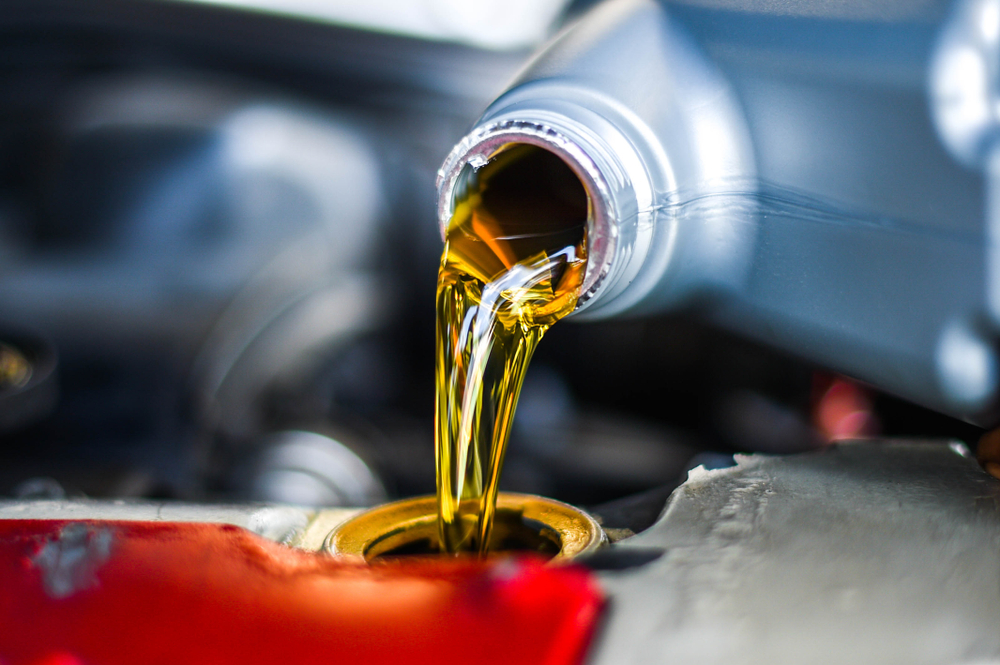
column 786, row 176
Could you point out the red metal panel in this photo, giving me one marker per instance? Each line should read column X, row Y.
column 102, row 593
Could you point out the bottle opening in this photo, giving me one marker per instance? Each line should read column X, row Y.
column 553, row 173
column 524, row 196
column 524, row 524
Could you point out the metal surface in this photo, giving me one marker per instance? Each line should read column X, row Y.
column 869, row 552
column 279, row 523
column 800, row 177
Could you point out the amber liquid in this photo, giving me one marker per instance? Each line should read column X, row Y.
column 513, row 263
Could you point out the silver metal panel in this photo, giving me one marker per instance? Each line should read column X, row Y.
column 280, row 523
column 870, row 552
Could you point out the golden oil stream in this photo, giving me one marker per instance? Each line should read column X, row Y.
column 513, row 263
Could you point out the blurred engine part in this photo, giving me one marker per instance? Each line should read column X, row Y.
column 15, row 370
column 169, row 196
column 495, row 24
column 229, row 238
column 560, row 447
column 309, row 469
column 34, row 489
column 28, row 389
column 213, row 210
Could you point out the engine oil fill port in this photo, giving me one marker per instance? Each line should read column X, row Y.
column 524, row 524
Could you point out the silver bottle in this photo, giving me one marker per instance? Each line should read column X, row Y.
column 813, row 175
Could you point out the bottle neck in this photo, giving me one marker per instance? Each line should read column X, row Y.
column 611, row 172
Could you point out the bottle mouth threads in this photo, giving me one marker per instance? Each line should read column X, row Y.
column 576, row 152
column 524, row 524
